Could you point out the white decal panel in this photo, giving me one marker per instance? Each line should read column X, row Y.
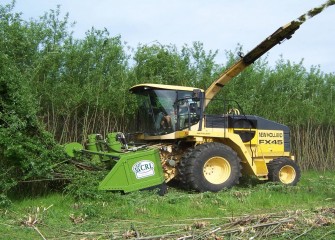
column 143, row 169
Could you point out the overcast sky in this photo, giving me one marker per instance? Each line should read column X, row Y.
column 219, row 25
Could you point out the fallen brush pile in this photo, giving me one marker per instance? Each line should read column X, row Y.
column 297, row 224
column 289, row 224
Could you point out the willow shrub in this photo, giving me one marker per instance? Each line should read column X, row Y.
column 27, row 151
column 88, row 94
column 314, row 146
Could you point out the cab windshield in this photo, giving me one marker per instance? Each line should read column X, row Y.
column 165, row 111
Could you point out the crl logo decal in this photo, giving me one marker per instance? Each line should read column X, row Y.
column 143, row 169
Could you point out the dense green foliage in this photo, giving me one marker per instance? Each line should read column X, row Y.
column 55, row 89
column 288, row 93
column 27, row 150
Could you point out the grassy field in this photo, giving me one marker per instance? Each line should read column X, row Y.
column 251, row 210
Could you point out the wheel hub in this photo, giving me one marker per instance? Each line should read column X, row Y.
column 217, row 170
column 287, row 174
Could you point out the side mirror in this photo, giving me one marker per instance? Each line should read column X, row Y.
column 196, row 94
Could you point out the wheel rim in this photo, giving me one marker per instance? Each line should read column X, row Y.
column 287, row 174
column 217, row 170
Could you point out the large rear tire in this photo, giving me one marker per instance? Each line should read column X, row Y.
column 284, row 170
column 209, row 167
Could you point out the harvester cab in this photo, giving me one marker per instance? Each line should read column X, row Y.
column 165, row 109
column 204, row 143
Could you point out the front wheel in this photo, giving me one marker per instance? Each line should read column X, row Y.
column 209, row 167
column 284, row 170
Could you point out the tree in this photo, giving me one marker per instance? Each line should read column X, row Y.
column 26, row 150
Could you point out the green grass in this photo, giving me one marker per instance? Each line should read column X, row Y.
column 307, row 210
